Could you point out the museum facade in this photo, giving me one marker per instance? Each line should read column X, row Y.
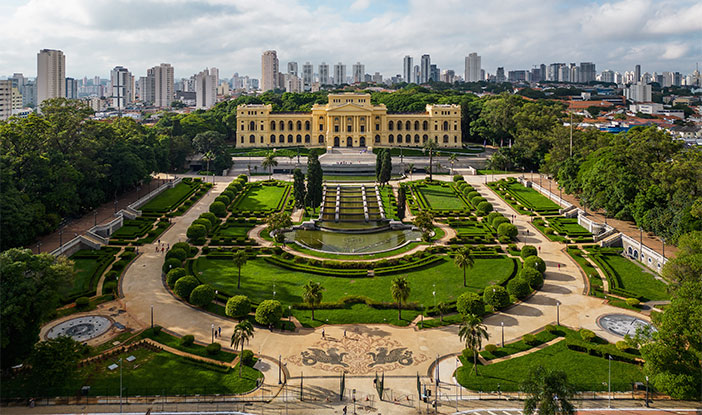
column 348, row 120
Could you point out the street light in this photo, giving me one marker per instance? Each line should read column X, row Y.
column 434, row 294
column 95, row 217
column 609, row 382
column 120, row 385
column 152, row 316
column 279, row 369
column 646, row 391
column 558, row 313
column 502, row 323
column 61, row 237
column 212, row 330
column 289, row 313
column 38, row 247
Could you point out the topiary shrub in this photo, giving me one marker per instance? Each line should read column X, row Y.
column 204, row 222
column 109, row 287
column 213, row 348
column 177, row 253
column 496, row 296
column 633, row 302
column 458, row 178
column 472, row 194
column 247, row 358
column 82, row 302
column 507, row 230
column 155, row 330
column 490, row 348
column 468, row 354
column 550, row 328
column 184, row 246
column 477, row 200
column 533, row 277
column 484, row 208
column 587, row 335
column 269, row 312
column 549, row 231
column 470, row 303
column 196, row 231
column 219, row 209
column 224, row 199
column 202, row 295
column 499, row 220
column 184, row 286
column 519, row 288
column 530, row 339
column 622, row 345
column 187, row 340
column 527, row 251
column 536, row 263
column 238, row 306
column 211, row 217
column 171, row 263
column 174, row 275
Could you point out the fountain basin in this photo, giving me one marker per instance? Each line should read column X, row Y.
column 353, row 242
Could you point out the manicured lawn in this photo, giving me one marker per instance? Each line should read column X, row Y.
column 261, row 198
column 586, row 372
column 328, row 255
column 258, row 277
column 279, row 152
column 441, row 197
column 354, row 314
column 530, row 198
column 89, row 266
column 133, row 228
column 85, row 269
column 590, row 271
column 636, row 280
column 196, row 349
column 169, row 199
column 364, row 178
column 233, row 231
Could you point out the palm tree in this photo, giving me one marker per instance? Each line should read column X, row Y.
column 442, row 308
column 431, row 146
column 243, row 332
column 239, row 260
column 209, row 156
column 463, row 260
column 268, row 163
column 410, row 167
column 472, row 331
column 452, row 159
column 400, row 290
column 312, row 294
column 548, row 392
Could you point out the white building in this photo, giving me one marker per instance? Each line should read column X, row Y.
column 358, row 70
column 307, row 76
column 269, row 70
column 159, row 86
column 324, row 74
column 205, row 89
column 292, row 68
column 121, row 88
column 473, row 67
column 292, row 83
column 51, row 75
column 339, row 74
column 407, row 69
column 638, row 92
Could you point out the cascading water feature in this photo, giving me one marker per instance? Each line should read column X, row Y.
column 365, row 203
column 381, row 208
column 338, row 204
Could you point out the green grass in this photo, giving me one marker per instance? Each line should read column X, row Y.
column 233, row 231
column 169, row 199
column 486, row 172
column 360, row 178
column 636, row 280
column 280, row 152
column 328, row 255
column 196, row 349
column 89, row 266
column 585, row 371
column 592, row 275
column 263, row 197
column 441, row 197
column 133, row 228
column 530, row 198
column 419, row 152
column 259, row 276
column 518, row 346
column 354, row 314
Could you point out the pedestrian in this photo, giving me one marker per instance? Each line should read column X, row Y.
column 323, row 334
column 168, row 246
column 159, row 242
column 539, row 249
column 559, row 266
column 215, row 334
column 344, row 332
column 220, row 331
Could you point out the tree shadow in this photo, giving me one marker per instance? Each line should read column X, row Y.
column 559, row 276
column 556, row 289
column 496, row 319
column 539, row 299
column 525, row 310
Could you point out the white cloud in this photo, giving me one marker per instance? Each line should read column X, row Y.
column 97, row 35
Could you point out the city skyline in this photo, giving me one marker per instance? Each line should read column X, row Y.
column 614, row 35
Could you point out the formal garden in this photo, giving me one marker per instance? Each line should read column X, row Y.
column 524, row 200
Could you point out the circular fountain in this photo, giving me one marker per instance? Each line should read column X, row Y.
column 81, row 328
column 352, row 221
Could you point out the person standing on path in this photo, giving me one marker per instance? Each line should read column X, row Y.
column 323, row 334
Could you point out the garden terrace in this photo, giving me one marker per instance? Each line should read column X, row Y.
column 351, row 283
column 527, row 199
column 439, row 198
column 389, row 202
column 89, row 267
column 472, row 231
column 139, row 231
column 626, row 278
column 596, row 286
column 279, row 152
column 262, row 198
column 420, row 152
column 570, row 228
column 188, row 191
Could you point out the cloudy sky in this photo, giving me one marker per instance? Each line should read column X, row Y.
column 97, row 35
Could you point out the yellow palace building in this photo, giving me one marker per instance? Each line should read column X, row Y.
column 348, row 120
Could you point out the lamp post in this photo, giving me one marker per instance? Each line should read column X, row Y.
column 609, row 382
column 279, row 369
column 152, row 316
column 115, row 205
column 120, row 385
column 663, row 240
column 646, row 391
column 421, row 323
column 212, row 332
column 61, row 237
column 502, row 324
column 434, row 294
column 289, row 313
column 558, row 313
column 640, row 242
column 38, row 247
column 95, row 217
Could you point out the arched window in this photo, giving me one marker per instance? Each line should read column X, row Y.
column 273, row 138
column 446, row 126
column 290, row 137
column 321, row 139
column 425, row 126
column 416, row 138
column 408, row 125
column 391, row 138
column 399, row 125
column 252, row 126
column 377, row 138
column 299, row 125
column 390, row 125
column 252, row 139
column 307, row 138
column 281, row 138
column 416, row 125
column 445, row 138
column 282, row 126
column 290, row 125
column 272, row 125
column 307, row 125
column 424, row 137
column 298, row 139
column 399, row 139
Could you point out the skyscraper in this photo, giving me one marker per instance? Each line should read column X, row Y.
column 307, row 76
column 122, row 87
column 425, row 69
column 51, row 75
column 434, row 73
column 407, row 67
column 472, row 69
column 205, row 89
column 269, row 70
column 159, row 85
column 5, row 99
column 637, row 73
column 500, row 75
column 339, row 74
column 71, row 88
column 358, row 70
column 324, row 74
column 415, row 74
column 587, row 72
column 292, row 68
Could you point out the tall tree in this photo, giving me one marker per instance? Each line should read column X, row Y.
column 379, row 164
column 239, row 259
column 276, row 223
column 299, row 190
column 463, row 260
column 312, row 294
column 386, row 168
column 243, row 333
column 424, row 220
column 268, row 163
column 401, row 202
column 548, row 393
column 54, row 361
column 400, row 291
column 431, row 146
column 29, row 287
column 472, row 331
column 315, row 177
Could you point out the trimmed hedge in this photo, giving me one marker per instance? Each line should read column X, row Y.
column 202, row 295
column 238, row 306
column 185, row 285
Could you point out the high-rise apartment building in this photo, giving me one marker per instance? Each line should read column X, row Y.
column 638, row 92
column 307, row 76
column 71, row 88
column 472, row 68
column 51, row 75
column 358, row 70
column 377, row 78
column 292, row 68
column 564, row 73
column 448, row 76
column 637, row 73
column 407, row 68
column 324, row 74
column 205, row 89
column 121, row 87
column 552, row 73
column 339, row 74
column 500, row 74
column 587, row 72
column 416, row 75
column 607, row 76
column 159, row 85
column 292, row 83
column 425, row 69
column 434, row 73
column 269, row 70
column 5, row 99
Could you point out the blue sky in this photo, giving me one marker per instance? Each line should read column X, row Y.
column 97, row 35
